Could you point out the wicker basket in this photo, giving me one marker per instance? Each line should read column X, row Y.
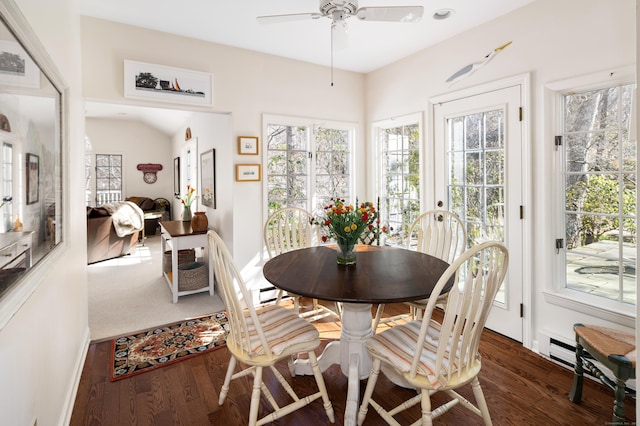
column 184, row 257
column 192, row 276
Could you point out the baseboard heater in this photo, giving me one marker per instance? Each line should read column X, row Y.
column 270, row 294
column 564, row 354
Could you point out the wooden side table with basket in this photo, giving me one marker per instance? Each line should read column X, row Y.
column 179, row 246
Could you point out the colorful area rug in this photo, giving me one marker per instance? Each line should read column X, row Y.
column 166, row 345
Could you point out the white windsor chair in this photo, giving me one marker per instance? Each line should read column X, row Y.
column 260, row 337
column 441, row 357
column 292, row 228
column 439, row 233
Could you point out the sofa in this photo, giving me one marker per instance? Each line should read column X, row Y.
column 102, row 240
column 159, row 209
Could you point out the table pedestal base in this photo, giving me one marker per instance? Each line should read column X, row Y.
column 350, row 352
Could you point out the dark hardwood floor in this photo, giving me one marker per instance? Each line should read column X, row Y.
column 521, row 388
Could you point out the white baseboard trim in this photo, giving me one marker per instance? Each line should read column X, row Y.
column 72, row 392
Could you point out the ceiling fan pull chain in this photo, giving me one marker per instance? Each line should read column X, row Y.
column 332, row 24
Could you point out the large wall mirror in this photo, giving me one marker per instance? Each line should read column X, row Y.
column 30, row 154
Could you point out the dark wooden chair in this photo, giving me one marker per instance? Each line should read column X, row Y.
column 614, row 349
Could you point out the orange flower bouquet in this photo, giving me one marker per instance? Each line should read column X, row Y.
column 345, row 224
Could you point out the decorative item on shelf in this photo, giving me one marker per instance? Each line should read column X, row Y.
column 186, row 201
column 187, row 134
column 199, row 222
column 4, row 123
column 345, row 224
column 167, row 84
column 17, row 226
column 5, row 200
column 149, row 171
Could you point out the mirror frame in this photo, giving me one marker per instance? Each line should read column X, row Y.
column 19, row 291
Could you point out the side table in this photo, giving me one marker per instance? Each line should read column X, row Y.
column 152, row 218
column 178, row 235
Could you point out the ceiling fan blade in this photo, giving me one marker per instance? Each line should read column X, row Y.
column 271, row 19
column 339, row 39
column 391, row 14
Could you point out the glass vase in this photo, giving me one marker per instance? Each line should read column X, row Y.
column 186, row 214
column 346, row 252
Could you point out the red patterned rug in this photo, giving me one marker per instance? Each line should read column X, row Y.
column 165, row 345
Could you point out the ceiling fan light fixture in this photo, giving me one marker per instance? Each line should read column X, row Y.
column 442, row 14
column 339, row 39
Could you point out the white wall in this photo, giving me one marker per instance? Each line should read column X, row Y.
column 213, row 131
column 139, row 144
column 42, row 344
column 552, row 40
column 247, row 84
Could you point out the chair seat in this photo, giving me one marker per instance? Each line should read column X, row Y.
column 282, row 328
column 607, row 341
column 397, row 346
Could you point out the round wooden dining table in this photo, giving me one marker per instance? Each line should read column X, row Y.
column 380, row 275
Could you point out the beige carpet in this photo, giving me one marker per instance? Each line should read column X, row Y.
column 129, row 294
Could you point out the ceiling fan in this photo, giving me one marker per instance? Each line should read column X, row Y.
column 340, row 10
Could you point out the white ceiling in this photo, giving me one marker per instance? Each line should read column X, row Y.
column 233, row 22
column 169, row 121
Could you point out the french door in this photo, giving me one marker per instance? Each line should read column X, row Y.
column 478, row 176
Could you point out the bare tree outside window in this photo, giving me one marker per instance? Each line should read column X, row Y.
column 600, row 186
column 400, row 184
column 293, row 178
column 108, row 178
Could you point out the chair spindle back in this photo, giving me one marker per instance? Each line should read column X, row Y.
column 237, row 299
column 479, row 272
column 439, row 233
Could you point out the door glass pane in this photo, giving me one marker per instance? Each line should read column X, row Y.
column 477, row 175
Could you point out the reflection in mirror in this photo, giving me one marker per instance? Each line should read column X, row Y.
column 30, row 162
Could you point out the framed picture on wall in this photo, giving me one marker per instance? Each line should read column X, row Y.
column 16, row 66
column 176, row 176
column 248, row 145
column 33, row 178
column 208, row 178
column 168, row 84
column 247, row 172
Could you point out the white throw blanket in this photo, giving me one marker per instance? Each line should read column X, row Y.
column 126, row 216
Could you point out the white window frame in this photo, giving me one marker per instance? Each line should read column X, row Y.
column 391, row 123
column 93, row 182
column 10, row 164
column 556, row 293
column 311, row 123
